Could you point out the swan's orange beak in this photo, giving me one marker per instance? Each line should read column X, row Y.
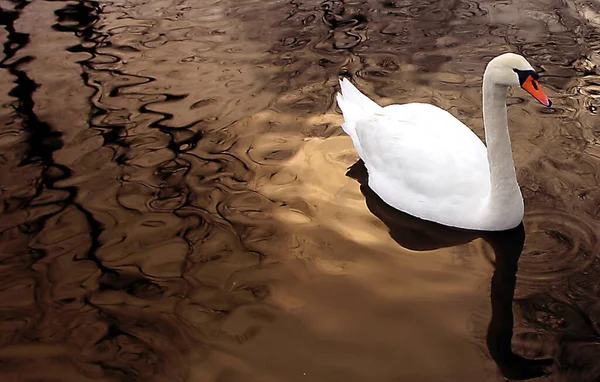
column 533, row 87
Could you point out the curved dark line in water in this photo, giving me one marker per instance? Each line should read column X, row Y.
column 38, row 149
column 42, row 139
column 86, row 14
column 15, row 40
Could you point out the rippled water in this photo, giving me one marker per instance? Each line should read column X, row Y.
column 176, row 204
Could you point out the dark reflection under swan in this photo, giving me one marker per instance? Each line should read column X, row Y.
column 421, row 235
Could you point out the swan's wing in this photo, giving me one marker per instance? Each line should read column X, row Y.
column 420, row 157
column 437, row 122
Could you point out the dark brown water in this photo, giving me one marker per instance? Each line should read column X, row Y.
column 175, row 203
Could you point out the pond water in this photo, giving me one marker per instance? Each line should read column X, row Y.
column 176, row 202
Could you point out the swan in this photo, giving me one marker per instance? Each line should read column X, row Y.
column 423, row 161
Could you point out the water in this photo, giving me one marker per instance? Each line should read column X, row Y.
column 176, row 204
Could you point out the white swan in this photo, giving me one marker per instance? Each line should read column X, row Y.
column 423, row 161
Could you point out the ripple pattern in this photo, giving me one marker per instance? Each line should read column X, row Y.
column 557, row 246
column 172, row 173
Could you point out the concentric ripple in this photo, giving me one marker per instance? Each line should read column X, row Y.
column 557, row 245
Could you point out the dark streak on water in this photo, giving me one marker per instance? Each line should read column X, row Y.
column 174, row 204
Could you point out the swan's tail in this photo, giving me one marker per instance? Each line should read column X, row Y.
column 355, row 106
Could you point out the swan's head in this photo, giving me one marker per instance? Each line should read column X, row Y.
column 510, row 69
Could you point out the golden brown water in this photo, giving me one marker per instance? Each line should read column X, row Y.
column 176, row 204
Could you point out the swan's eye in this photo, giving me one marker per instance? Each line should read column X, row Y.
column 524, row 74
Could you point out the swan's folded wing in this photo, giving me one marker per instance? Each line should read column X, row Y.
column 413, row 164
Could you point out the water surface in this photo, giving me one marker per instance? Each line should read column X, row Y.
column 176, row 204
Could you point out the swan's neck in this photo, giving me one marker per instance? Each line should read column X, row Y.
column 502, row 168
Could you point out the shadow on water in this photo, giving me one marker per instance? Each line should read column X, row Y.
column 420, row 235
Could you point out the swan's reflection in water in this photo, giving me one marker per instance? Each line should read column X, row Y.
column 420, row 235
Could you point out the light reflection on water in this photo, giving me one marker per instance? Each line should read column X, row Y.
column 175, row 204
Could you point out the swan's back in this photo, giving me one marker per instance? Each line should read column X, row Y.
column 420, row 159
